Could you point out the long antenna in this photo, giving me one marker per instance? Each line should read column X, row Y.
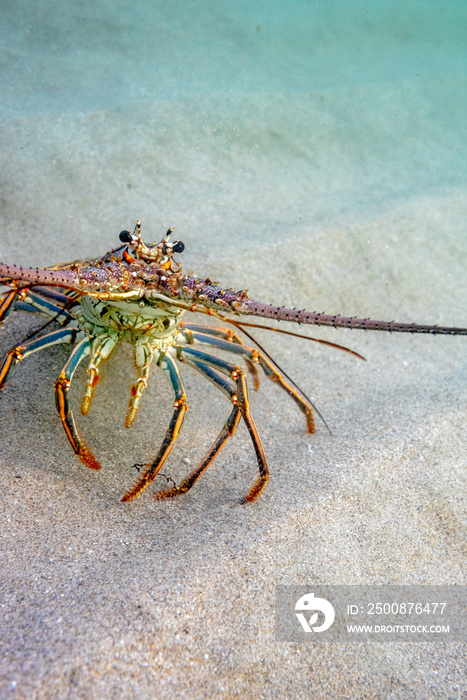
column 265, row 352
column 305, row 337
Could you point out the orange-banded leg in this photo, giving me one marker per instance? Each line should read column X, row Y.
column 227, row 431
column 101, row 348
column 7, row 304
column 19, row 352
column 143, row 357
column 224, row 333
column 34, row 303
column 176, row 422
column 268, row 368
column 62, row 386
column 65, row 297
column 199, row 360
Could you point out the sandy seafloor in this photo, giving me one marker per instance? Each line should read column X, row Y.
column 313, row 153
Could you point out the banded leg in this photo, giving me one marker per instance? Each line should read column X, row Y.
column 226, row 334
column 176, row 422
column 227, row 431
column 268, row 368
column 243, row 403
column 64, row 298
column 240, row 399
column 62, row 386
column 34, row 303
column 7, row 304
column 143, row 357
column 101, row 348
column 19, row 352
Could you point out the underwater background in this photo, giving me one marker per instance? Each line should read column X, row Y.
column 313, row 153
column 291, row 114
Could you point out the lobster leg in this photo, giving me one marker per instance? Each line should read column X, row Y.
column 143, row 358
column 224, row 333
column 19, row 352
column 241, row 400
column 180, row 408
column 227, row 431
column 52, row 293
column 268, row 368
column 100, row 350
column 243, row 403
column 34, row 303
column 7, row 304
column 62, row 386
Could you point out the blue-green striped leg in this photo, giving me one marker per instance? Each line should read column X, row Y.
column 19, row 352
column 227, row 431
column 64, row 298
column 34, row 303
column 224, row 333
column 180, row 409
column 62, row 386
column 240, row 399
column 268, row 368
column 7, row 304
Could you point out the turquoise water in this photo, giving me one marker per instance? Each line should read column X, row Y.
column 85, row 56
column 246, row 121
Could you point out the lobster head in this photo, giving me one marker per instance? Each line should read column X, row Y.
column 161, row 253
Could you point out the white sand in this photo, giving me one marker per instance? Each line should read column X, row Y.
column 316, row 158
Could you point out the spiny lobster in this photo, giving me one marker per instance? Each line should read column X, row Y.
column 137, row 293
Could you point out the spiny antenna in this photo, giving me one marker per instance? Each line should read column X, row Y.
column 281, row 313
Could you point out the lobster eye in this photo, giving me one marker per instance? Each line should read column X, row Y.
column 125, row 236
column 178, row 247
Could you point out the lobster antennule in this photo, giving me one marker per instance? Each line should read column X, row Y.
column 38, row 275
column 249, row 307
